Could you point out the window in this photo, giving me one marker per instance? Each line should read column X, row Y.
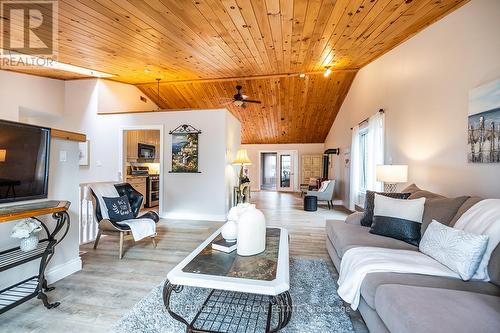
column 363, row 160
column 367, row 151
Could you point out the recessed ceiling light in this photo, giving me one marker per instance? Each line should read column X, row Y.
column 23, row 60
column 302, row 75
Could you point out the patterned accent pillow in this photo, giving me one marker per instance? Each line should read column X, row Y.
column 367, row 218
column 118, row 208
column 458, row 250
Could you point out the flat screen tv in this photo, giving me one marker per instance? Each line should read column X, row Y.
column 24, row 161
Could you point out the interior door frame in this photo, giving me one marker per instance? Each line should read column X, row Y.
column 295, row 163
column 122, row 156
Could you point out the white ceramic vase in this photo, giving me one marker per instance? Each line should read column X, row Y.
column 230, row 231
column 29, row 244
column 251, row 232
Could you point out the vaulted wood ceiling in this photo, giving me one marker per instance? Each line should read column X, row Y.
column 139, row 41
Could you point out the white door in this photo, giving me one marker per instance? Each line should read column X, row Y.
column 286, row 171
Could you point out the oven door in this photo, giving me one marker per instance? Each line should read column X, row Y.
column 146, row 151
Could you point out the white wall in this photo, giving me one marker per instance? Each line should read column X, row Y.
column 186, row 196
column 423, row 85
column 21, row 93
column 302, row 149
column 119, row 97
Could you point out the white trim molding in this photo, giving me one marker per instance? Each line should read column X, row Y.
column 59, row 272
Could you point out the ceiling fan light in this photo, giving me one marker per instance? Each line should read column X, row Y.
column 238, row 103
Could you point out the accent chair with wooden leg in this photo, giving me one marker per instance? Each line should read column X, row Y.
column 108, row 227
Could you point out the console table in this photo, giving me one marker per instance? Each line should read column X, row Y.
column 35, row 285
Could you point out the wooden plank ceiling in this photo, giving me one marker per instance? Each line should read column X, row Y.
column 191, row 40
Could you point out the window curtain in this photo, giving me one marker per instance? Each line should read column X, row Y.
column 375, row 141
column 355, row 169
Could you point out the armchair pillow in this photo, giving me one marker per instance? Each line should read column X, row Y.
column 367, row 219
column 324, row 185
column 118, row 208
column 458, row 250
column 398, row 218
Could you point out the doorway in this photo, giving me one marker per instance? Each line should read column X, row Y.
column 142, row 163
column 268, row 171
column 278, row 170
column 285, row 172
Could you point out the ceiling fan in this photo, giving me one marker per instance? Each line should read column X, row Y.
column 241, row 100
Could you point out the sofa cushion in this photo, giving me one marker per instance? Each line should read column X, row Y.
column 346, row 236
column 425, row 194
column 465, row 207
column 411, row 189
column 374, row 280
column 494, row 266
column 399, row 219
column 427, row 310
column 367, row 218
column 440, row 209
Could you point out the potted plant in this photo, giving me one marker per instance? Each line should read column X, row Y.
column 27, row 231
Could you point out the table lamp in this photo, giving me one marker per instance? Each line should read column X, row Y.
column 242, row 159
column 3, row 153
column 391, row 175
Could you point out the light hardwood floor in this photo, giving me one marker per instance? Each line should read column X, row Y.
column 93, row 299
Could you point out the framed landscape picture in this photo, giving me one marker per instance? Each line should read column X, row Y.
column 484, row 124
column 185, row 149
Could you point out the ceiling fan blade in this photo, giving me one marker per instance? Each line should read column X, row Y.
column 244, row 105
column 244, row 96
column 252, row 101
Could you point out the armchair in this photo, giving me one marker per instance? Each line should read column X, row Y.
column 326, row 194
column 107, row 226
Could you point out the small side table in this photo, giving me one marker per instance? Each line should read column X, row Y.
column 310, row 203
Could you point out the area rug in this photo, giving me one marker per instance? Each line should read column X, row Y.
column 316, row 305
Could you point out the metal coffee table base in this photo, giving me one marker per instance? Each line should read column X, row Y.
column 227, row 311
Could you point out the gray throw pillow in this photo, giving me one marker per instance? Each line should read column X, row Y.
column 440, row 209
column 458, row 250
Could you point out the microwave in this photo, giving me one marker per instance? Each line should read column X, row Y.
column 145, row 151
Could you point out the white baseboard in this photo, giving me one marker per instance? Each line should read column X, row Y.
column 59, row 272
column 196, row 217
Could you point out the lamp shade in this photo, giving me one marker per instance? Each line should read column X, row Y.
column 392, row 174
column 3, row 154
column 242, row 158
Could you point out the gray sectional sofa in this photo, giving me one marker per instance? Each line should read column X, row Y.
column 393, row 302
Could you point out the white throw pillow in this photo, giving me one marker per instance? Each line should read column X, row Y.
column 458, row 250
column 324, row 185
column 412, row 210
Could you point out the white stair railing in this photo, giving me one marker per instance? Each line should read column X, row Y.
column 88, row 224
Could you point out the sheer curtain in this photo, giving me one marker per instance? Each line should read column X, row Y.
column 375, row 151
column 355, row 169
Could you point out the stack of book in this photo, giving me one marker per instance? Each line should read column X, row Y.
column 224, row 246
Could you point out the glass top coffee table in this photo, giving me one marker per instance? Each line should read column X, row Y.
column 250, row 294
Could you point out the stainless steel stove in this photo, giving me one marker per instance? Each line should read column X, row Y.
column 152, row 190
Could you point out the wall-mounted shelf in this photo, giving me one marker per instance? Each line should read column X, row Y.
column 67, row 135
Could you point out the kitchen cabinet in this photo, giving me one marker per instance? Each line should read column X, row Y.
column 139, row 184
column 134, row 137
